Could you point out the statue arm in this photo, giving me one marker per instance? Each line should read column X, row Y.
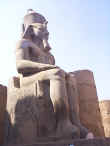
column 23, row 62
column 26, row 66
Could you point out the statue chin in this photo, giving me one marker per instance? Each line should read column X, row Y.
column 46, row 49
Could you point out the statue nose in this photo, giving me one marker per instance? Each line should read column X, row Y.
column 47, row 48
column 46, row 45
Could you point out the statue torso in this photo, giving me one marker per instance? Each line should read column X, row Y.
column 45, row 58
column 36, row 53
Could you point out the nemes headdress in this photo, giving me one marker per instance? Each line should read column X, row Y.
column 33, row 18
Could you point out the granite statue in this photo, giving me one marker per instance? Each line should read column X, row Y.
column 36, row 65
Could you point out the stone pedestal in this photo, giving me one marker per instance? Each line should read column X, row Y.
column 30, row 114
column 90, row 142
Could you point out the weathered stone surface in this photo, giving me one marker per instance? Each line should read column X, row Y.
column 30, row 116
column 36, row 63
column 88, row 102
column 105, row 114
column 44, row 101
column 40, row 108
column 73, row 100
column 39, row 102
column 93, row 142
column 3, row 100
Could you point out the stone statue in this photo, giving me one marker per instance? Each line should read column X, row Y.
column 35, row 62
column 36, row 65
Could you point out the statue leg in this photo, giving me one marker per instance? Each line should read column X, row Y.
column 74, row 104
column 58, row 95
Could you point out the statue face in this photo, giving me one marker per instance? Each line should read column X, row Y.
column 41, row 32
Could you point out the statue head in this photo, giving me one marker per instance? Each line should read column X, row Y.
column 35, row 26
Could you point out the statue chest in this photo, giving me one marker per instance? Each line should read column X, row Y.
column 45, row 59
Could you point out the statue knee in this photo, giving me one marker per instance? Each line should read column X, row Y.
column 71, row 78
column 59, row 74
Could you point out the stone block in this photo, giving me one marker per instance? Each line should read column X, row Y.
column 89, row 111
column 3, row 101
column 29, row 116
column 105, row 114
column 89, row 142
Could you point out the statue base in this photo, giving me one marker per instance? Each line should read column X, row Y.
column 81, row 142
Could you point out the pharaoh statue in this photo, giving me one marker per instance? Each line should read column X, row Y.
column 36, row 65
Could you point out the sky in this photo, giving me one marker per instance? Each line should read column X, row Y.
column 79, row 36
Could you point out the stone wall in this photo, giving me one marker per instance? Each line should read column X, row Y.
column 105, row 114
column 3, row 100
column 88, row 102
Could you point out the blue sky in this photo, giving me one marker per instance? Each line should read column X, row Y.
column 79, row 36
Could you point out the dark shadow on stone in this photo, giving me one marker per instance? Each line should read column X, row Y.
column 33, row 119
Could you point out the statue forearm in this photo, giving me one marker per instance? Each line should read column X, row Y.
column 27, row 66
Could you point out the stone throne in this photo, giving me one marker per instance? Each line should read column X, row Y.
column 32, row 114
column 29, row 102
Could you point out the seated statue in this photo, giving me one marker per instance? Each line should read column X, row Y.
column 37, row 65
